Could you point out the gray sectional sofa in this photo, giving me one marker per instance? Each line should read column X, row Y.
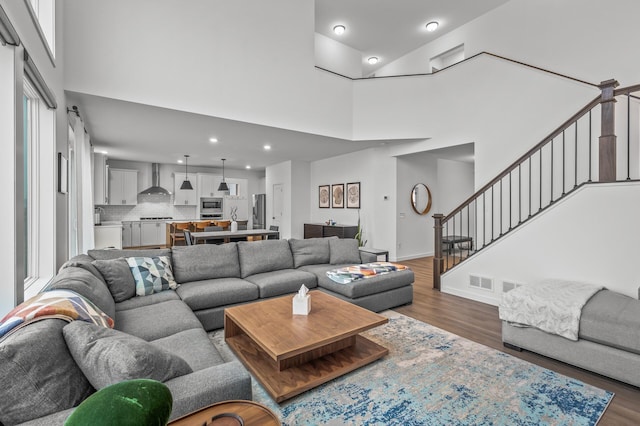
column 50, row 366
column 608, row 340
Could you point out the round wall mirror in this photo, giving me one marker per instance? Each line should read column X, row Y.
column 421, row 199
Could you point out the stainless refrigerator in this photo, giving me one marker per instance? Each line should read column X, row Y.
column 259, row 211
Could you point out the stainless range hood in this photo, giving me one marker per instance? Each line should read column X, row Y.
column 155, row 188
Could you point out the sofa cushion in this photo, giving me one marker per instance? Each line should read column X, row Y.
column 363, row 287
column 193, row 346
column 218, row 292
column 264, row 256
column 284, row 281
column 311, row 251
column 117, row 274
column 205, row 261
column 83, row 261
column 152, row 274
column 612, row 319
column 87, row 285
column 105, row 254
column 344, row 251
column 108, row 356
column 30, row 387
column 155, row 321
column 136, row 302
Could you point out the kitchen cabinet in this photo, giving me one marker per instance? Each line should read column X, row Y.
column 208, row 185
column 184, row 197
column 123, row 187
column 131, row 234
column 108, row 236
column 152, row 233
column 100, row 179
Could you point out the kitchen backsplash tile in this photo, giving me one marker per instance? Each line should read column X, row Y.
column 148, row 208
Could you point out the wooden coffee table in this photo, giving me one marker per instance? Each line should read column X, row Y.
column 290, row 354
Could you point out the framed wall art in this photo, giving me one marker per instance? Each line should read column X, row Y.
column 353, row 195
column 324, row 197
column 337, row 196
column 63, row 179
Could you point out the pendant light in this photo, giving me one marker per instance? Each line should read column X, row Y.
column 223, row 185
column 186, row 184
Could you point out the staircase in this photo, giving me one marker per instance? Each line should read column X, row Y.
column 600, row 143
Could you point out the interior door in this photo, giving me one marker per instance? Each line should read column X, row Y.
column 278, row 205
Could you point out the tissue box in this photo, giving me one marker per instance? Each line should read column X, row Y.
column 301, row 305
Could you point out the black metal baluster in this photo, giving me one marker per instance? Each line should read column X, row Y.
column 453, row 236
column 540, row 175
column 475, row 219
column 628, row 136
column 468, row 231
column 563, row 163
column 551, row 195
column 484, row 219
column 493, row 202
column 500, row 207
column 520, row 193
column 590, row 144
column 575, row 156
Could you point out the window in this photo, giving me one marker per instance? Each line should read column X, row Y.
column 43, row 14
column 39, row 191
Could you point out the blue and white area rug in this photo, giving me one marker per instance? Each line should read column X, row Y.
column 432, row 377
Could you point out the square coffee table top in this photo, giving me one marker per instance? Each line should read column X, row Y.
column 272, row 325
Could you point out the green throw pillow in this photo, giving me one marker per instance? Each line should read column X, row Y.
column 152, row 274
column 131, row 403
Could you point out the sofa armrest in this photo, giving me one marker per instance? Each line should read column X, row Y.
column 202, row 388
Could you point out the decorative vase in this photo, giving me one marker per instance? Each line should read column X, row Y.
column 234, row 226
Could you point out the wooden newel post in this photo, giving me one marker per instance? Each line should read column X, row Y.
column 438, row 261
column 607, row 149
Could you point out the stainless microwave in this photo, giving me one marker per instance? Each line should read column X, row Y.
column 213, row 205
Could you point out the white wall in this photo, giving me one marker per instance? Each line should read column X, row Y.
column 503, row 108
column 589, row 236
column 568, row 37
column 455, row 183
column 337, row 57
column 245, row 60
column 300, row 183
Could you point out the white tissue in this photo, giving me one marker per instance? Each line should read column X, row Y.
column 302, row 302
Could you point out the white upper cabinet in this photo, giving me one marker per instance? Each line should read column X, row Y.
column 208, row 185
column 123, row 187
column 185, row 197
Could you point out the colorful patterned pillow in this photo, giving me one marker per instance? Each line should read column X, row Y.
column 152, row 274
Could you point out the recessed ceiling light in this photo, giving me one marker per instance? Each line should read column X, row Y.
column 247, row 166
column 102, row 152
column 213, row 140
column 432, row 26
column 180, row 161
column 267, row 147
column 339, row 29
column 372, row 60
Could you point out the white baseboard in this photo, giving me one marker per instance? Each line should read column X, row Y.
column 484, row 297
column 414, row 256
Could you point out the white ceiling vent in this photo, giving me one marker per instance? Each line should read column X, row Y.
column 477, row 281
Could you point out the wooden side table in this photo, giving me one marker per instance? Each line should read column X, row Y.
column 251, row 413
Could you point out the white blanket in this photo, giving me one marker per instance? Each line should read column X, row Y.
column 554, row 306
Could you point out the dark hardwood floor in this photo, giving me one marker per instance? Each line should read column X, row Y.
column 479, row 322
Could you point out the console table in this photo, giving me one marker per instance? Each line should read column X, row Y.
column 320, row 230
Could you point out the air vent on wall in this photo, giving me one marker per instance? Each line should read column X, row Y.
column 509, row 285
column 477, row 281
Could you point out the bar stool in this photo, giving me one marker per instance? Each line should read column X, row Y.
column 177, row 232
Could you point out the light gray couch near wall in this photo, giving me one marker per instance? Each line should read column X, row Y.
column 608, row 340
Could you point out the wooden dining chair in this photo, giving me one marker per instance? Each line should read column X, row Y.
column 177, row 232
column 274, row 237
column 225, row 224
column 200, row 225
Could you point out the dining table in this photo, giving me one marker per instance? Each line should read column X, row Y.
column 226, row 236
